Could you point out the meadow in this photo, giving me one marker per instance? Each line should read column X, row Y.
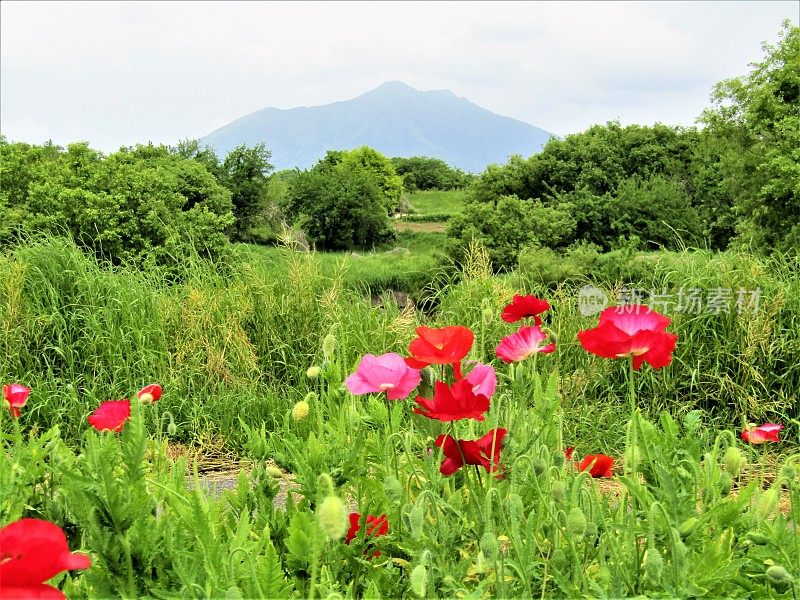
column 253, row 355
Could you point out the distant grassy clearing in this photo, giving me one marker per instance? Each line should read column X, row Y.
column 446, row 202
column 425, row 227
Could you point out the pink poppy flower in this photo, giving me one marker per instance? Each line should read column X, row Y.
column 110, row 415
column 16, row 395
column 768, row 432
column 386, row 373
column 149, row 394
column 522, row 344
column 483, row 379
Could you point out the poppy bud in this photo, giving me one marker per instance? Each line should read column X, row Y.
column 328, row 346
column 417, row 519
column 324, row 486
column 604, row 577
column 558, row 459
column 725, row 483
column 274, row 472
column 172, row 429
column 788, row 473
column 757, row 538
column 778, row 576
column 489, row 545
column 488, row 315
column 332, row 517
column 576, row 522
column 591, row 530
column 313, row 372
column 418, row 579
column 653, row 564
column 558, row 491
column 734, row 461
column 766, row 503
column 334, row 596
column 539, row 465
column 687, row 527
column 300, row 410
column 393, row 488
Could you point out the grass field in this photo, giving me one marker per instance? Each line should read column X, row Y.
column 686, row 509
column 445, row 203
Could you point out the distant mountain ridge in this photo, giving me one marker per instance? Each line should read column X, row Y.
column 395, row 119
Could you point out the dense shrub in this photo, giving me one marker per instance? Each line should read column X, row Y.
column 426, row 173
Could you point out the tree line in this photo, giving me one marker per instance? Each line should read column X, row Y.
column 733, row 181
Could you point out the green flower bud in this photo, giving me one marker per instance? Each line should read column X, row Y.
column 725, row 483
column 419, row 575
column 539, row 465
column 393, row 489
column 324, row 486
column 332, row 517
column 558, row 459
column 766, row 503
column 488, row 315
column 172, row 429
column 558, row 491
column 274, row 471
column 489, row 545
column 576, row 522
column 778, row 576
column 328, row 346
column 591, row 530
column 300, row 410
column 688, row 527
column 734, row 461
column 788, row 473
column 757, row 538
column 417, row 519
column 313, row 372
column 334, row 596
column 653, row 564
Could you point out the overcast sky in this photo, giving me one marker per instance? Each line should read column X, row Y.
column 121, row 73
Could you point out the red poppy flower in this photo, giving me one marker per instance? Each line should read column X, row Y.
column 522, row 307
column 445, row 346
column 453, row 403
column 458, row 453
column 523, row 343
column 376, row 526
column 768, row 432
column 110, row 415
column 599, row 465
column 631, row 331
column 31, row 552
column 149, row 394
column 16, row 395
column 568, row 452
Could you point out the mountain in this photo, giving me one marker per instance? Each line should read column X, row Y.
column 395, row 119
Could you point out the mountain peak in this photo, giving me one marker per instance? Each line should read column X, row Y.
column 395, row 119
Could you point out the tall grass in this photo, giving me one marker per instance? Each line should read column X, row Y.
column 234, row 346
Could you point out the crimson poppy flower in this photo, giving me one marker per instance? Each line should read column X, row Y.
column 483, row 379
column 376, row 526
column 453, row 402
column 31, row 552
column 599, row 465
column 110, row 415
column 445, row 346
column 631, row 330
column 768, row 432
column 522, row 344
column 522, row 307
column 568, row 452
column 386, row 373
column 16, row 395
column 471, row 452
column 149, row 394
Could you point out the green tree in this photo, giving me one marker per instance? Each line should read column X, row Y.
column 425, row 173
column 245, row 172
column 755, row 119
